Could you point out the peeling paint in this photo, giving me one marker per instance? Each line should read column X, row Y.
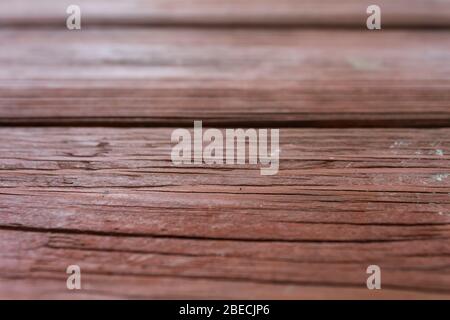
column 399, row 143
column 364, row 64
column 440, row 177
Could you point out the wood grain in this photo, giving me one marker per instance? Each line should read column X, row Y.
column 85, row 172
column 110, row 200
column 250, row 77
column 395, row 13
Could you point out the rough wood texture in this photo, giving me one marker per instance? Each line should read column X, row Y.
column 417, row 13
column 111, row 201
column 251, row 77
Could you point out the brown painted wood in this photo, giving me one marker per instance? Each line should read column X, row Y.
column 251, row 77
column 422, row 13
column 111, row 201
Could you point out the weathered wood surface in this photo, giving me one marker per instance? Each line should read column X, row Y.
column 253, row 77
column 111, row 201
column 416, row 13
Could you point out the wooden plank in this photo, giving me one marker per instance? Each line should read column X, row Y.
column 418, row 13
column 115, row 267
column 110, row 200
column 250, row 77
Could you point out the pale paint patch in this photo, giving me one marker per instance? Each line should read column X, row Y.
column 363, row 64
column 440, row 177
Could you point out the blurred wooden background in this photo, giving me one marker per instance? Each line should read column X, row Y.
column 85, row 171
column 263, row 13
